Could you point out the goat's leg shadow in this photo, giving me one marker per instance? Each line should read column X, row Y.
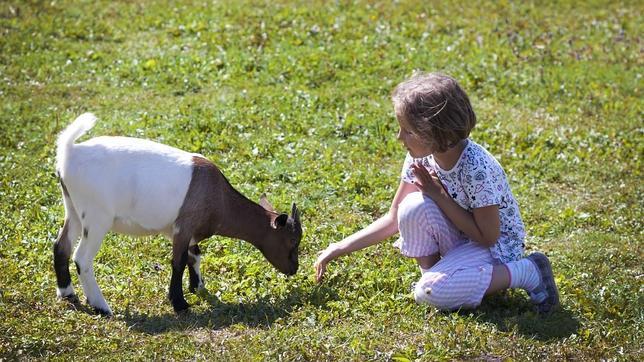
column 217, row 314
column 73, row 302
column 207, row 297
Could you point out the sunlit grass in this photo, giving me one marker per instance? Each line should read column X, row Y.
column 292, row 99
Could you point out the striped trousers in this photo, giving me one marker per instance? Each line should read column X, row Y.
column 462, row 275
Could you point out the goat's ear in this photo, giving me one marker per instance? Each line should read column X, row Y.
column 263, row 202
column 280, row 221
column 295, row 213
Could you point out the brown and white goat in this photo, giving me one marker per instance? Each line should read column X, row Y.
column 139, row 187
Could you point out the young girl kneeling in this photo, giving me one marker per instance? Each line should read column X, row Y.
column 454, row 208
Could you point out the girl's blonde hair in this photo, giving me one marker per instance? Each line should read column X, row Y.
column 436, row 108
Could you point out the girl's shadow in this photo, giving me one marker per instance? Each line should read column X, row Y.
column 261, row 313
column 512, row 311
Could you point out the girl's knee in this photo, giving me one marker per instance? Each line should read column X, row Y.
column 430, row 294
column 417, row 237
column 415, row 208
column 421, row 294
column 427, row 287
column 441, row 295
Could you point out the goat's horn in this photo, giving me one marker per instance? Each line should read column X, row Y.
column 295, row 213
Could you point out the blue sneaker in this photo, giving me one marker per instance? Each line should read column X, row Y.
column 545, row 296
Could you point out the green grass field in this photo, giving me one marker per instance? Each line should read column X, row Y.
column 292, row 99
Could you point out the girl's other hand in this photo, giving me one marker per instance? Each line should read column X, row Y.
column 427, row 181
column 324, row 257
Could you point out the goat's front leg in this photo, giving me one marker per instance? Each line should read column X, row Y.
column 179, row 261
column 194, row 262
column 94, row 229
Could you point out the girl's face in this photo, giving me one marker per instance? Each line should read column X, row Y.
column 416, row 146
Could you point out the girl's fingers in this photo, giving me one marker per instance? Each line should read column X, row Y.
column 422, row 180
column 418, row 171
column 422, row 170
column 427, row 175
column 426, row 179
column 319, row 272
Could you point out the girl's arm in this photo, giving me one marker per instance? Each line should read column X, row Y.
column 482, row 224
column 379, row 230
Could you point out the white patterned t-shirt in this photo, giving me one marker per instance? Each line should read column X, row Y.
column 478, row 180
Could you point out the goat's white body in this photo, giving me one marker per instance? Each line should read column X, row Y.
column 140, row 184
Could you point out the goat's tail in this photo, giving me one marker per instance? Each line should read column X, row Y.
column 66, row 139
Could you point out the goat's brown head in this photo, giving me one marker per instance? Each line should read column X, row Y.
column 281, row 246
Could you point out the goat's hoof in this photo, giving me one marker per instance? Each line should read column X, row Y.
column 197, row 289
column 102, row 312
column 72, row 299
column 180, row 306
column 202, row 292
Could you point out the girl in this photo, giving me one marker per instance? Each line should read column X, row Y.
column 454, row 209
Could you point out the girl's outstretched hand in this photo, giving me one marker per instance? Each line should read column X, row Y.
column 427, row 181
column 324, row 257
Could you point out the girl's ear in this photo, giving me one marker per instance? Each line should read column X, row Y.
column 263, row 202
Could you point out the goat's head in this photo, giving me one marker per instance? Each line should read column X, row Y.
column 281, row 247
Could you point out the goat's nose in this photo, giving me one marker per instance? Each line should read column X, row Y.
column 293, row 270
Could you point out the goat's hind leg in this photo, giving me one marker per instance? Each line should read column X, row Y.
column 67, row 236
column 194, row 263
column 95, row 226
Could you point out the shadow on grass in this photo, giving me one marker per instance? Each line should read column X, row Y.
column 511, row 311
column 261, row 313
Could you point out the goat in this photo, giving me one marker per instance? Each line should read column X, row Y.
column 139, row 187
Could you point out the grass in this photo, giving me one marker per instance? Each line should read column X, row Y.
column 292, row 99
